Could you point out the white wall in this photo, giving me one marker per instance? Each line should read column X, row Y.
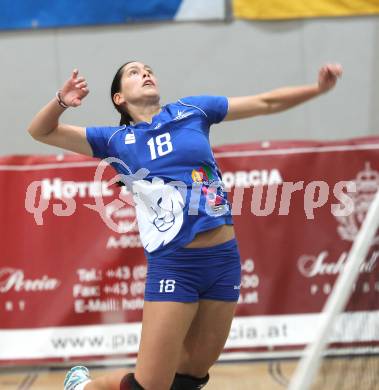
column 236, row 58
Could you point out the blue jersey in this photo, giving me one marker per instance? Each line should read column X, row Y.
column 181, row 191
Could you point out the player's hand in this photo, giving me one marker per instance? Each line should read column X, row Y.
column 328, row 75
column 74, row 90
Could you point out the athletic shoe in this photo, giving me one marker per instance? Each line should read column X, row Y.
column 75, row 377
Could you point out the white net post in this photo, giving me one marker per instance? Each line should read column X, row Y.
column 309, row 364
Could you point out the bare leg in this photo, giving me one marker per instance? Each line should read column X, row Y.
column 164, row 327
column 109, row 381
column 206, row 337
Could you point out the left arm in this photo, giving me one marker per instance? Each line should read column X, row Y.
column 283, row 98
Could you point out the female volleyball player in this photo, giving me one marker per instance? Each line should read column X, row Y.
column 193, row 276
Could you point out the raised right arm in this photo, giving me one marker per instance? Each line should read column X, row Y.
column 45, row 126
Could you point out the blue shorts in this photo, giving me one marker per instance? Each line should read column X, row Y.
column 191, row 274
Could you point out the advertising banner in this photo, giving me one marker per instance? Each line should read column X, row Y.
column 72, row 266
column 20, row 14
column 293, row 9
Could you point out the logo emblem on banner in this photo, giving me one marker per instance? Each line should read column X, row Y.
column 12, row 279
column 367, row 183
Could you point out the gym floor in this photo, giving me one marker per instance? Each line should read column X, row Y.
column 342, row 373
column 268, row 375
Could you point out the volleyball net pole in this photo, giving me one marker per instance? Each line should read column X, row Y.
column 310, row 362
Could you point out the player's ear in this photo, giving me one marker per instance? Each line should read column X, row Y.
column 118, row 98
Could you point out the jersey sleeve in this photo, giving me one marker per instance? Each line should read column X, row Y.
column 214, row 108
column 98, row 137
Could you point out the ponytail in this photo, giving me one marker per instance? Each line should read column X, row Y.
column 125, row 119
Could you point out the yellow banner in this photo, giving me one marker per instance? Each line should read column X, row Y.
column 292, row 9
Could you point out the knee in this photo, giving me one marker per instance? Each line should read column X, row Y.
column 195, row 366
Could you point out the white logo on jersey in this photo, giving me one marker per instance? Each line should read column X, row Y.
column 130, row 138
column 182, row 115
column 158, row 126
column 159, row 209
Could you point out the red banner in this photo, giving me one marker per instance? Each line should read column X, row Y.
column 72, row 268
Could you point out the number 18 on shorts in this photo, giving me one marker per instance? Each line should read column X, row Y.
column 167, row 286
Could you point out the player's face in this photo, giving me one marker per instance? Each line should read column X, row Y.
column 138, row 82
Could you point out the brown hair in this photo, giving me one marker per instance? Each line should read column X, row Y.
column 116, row 87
